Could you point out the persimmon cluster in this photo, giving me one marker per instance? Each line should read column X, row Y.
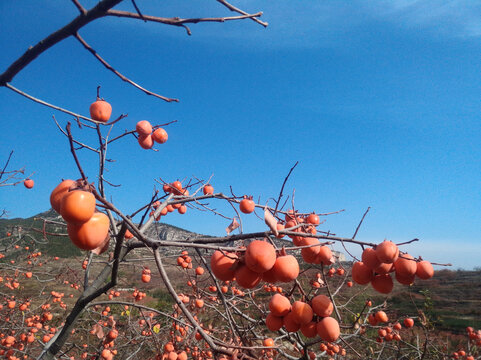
column 147, row 137
column 87, row 228
column 311, row 318
column 259, row 262
column 378, row 263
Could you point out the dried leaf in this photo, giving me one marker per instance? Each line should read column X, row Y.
column 233, row 225
column 97, row 330
column 270, row 221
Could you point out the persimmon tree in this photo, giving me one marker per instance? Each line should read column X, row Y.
column 279, row 292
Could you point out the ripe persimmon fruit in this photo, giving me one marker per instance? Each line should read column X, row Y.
column 143, row 127
column 208, row 189
column 286, row 268
column 290, row 323
column 382, row 283
column 408, row 322
column 247, row 206
column 309, row 330
column 100, row 110
column 77, row 206
column 387, row 252
column 268, row 342
column 302, row 312
column 279, row 305
column 405, row 265
column 222, row 265
column 369, row 258
column 313, row 219
column 28, row 183
column 381, row 316
column 309, row 254
column 91, row 234
column 145, row 141
column 328, row 329
column 247, row 278
column 361, row 274
column 260, row 256
column 160, row 135
column 58, row 193
column 424, row 270
column 273, row 322
column 322, row 305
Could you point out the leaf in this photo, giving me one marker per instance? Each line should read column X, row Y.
column 270, row 221
column 156, row 328
column 97, row 330
column 233, row 225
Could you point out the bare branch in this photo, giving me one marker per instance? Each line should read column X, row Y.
column 79, row 6
column 109, row 67
column 61, row 34
column 233, row 8
column 180, row 21
column 9, row 86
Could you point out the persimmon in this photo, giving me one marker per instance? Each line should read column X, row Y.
column 302, row 312
column 91, row 234
column 408, row 322
column 247, row 278
column 199, row 303
column 100, row 110
column 143, row 127
column 28, row 183
column 309, row 254
column 361, row 274
column 222, row 265
column 145, row 278
column 208, row 189
column 247, row 206
column 369, row 258
column 328, row 329
column 260, row 256
column 424, row 270
column 384, row 268
column 128, row 235
column 382, row 283
column 145, row 141
column 322, row 305
column 290, row 323
column 270, row 276
column 404, row 280
column 387, row 252
column 286, row 268
column 324, row 256
column 381, row 316
column 313, row 219
column 77, row 206
column 273, row 322
column 279, row 305
column 199, row 270
column 160, row 135
column 309, row 330
column 405, row 265
column 268, row 342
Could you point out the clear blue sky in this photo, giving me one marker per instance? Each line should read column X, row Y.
column 378, row 101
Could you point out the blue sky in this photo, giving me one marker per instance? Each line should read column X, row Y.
column 378, row 101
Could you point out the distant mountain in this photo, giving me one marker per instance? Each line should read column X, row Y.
column 33, row 230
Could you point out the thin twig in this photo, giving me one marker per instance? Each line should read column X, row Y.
column 109, row 67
